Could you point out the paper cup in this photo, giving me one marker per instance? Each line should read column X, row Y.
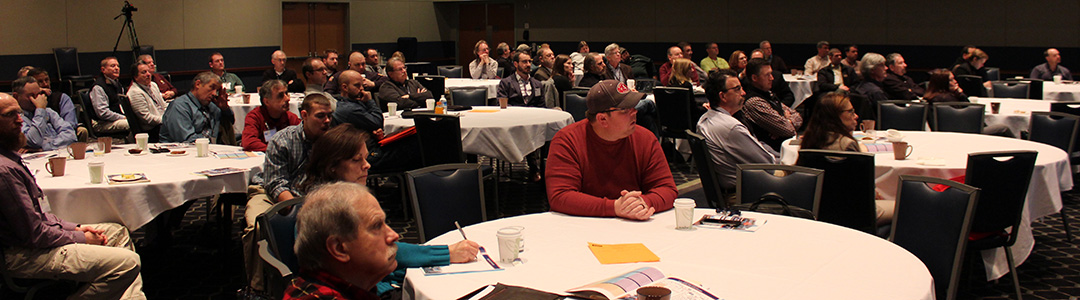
column 97, row 172
column 392, row 108
column 141, row 140
column 684, row 213
column 202, row 147
column 430, row 104
column 509, row 244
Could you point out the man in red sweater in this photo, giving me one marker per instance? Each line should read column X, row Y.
column 607, row 165
column 262, row 123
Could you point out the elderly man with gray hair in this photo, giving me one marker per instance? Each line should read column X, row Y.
column 199, row 113
column 873, row 70
column 616, row 70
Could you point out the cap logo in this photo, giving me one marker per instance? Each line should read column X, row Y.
column 622, row 89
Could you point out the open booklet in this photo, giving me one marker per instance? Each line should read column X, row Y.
column 483, row 263
column 624, row 286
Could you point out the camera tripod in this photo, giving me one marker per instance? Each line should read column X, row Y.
column 129, row 26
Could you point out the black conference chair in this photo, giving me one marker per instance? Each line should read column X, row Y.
column 799, row 186
column 1035, row 88
column 847, row 193
column 434, row 84
column 440, row 138
column 27, row 287
column 645, row 85
column 277, row 227
column 1010, row 89
column 574, row 103
column 992, row 74
column 88, row 108
column 1068, row 107
column 1052, row 128
column 962, row 117
column 443, row 194
column 673, row 105
column 136, row 124
column 901, row 115
column 1003, row 178
column 68, row 71
column 934, row 227
column 972, row 85
column 471, row 96
column 710, row 181
column 145, row 49
column 450, row 71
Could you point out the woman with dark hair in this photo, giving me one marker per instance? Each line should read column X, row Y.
column 681, row 74
column 943, row 88
column 562, row 73
column 831, row 125
column 738, row 62
column 341, row 155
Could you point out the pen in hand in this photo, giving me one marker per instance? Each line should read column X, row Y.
column 465, row 237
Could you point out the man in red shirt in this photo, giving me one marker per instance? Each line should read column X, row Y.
column 608, row 165
column 263, row 122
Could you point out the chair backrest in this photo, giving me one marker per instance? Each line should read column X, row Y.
column 1010, row 89
column 673, row 105
column 645, row 85
column 901, row 115
column 963, row 117
column 799, row 186
column 450, row 71
column 145, row 49
column 710, row 181
column 135, row 123
column 440, row 138
column 434, row 84
column 862, row 105
column 847, row 193
column 443, row 194
column 80, row 109
column 972, row 85
column 278, row 226
column 1003, row 177
column 84, row 99
column 934, row 226
column 1035, row 88
column 1054, row 128
column 1069, row 107
column 992, row 74
column 471, row 96
column 574, row 103
column 67, row 62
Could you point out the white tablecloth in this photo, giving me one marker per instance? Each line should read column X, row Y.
column 1014, row 113
column 507, row 134
column 172, row 182
column 787, row 258
column 1061, row 91
column 240, row 110
column 491, row 84
column 802, row 86
column 1052, row 175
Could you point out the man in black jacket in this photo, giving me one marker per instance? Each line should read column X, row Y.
column 898, row 85
column 280, row 72
column 836, row 76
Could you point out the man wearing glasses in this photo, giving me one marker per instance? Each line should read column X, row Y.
column 520, row 88
column 315, row 72
column 408, row 93
column 607, row 166
column 730, row 142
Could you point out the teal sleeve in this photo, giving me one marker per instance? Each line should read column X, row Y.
column 414, row 256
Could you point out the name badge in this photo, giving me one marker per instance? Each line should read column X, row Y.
column 43, row 203
column 269, row 133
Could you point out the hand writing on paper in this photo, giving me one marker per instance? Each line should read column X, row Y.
column 463, row 251
column 631, row 206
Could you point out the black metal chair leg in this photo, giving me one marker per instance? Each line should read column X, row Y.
column 1012, row 270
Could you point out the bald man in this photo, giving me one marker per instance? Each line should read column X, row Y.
column 357, row 63
column 279, row 72
column 1052, row 67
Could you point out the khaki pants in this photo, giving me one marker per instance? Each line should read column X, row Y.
column 258, row 203
column 110, row 271
column 109, row 127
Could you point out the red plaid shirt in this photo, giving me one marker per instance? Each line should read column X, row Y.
column 322, row 285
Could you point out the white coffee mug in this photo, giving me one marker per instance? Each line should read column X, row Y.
column 97, row 172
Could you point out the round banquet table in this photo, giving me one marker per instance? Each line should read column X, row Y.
column 802, row 86
column 786, row 258
column 492, row 85
column 1014, row 113
column 1066, row 91
column 172, row 182
column 1052, row 175
column 240, row 109
column 507, row 134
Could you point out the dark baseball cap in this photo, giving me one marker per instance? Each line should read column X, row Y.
column 611, row 94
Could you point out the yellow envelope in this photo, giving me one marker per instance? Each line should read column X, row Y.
column 622, row 253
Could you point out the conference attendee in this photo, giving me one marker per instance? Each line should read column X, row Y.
column 1052, row 67
column 546, row 60
column 563, row 74
column 816, row 62
column 712, row 62
column 578, row 58
column 59, row 102
column 315, row 72
column 330, row 60
column 280, row 72
column 873, row 71
column 39, row 245
column 407, row 93
column 43, row 128
column 776, row 62
column 146, row 100
column 681, row 73
column 738, row 62
column 965, row 53
column 287, row 152
column 851, row 56
column 371, row 62
column 105, row 113
column 595, row 70
column 897, row 84
column 483, row 67
column 502, row 58
column 199, row 113
column 830, row 129
column 665, row 70
column 729, row 141
column 974, row 66
column 943, row 87
column 780, row 86
column 168, row 91
column 23, row 71
column 520, row 88
column 836, row 76
column 357, row 62
column 606, row 165
column 400, row 55
column 228, row 80
column 615, row 68
column 768, row 118
column 262, row 123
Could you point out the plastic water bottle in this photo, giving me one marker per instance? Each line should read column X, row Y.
column 441, row 107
